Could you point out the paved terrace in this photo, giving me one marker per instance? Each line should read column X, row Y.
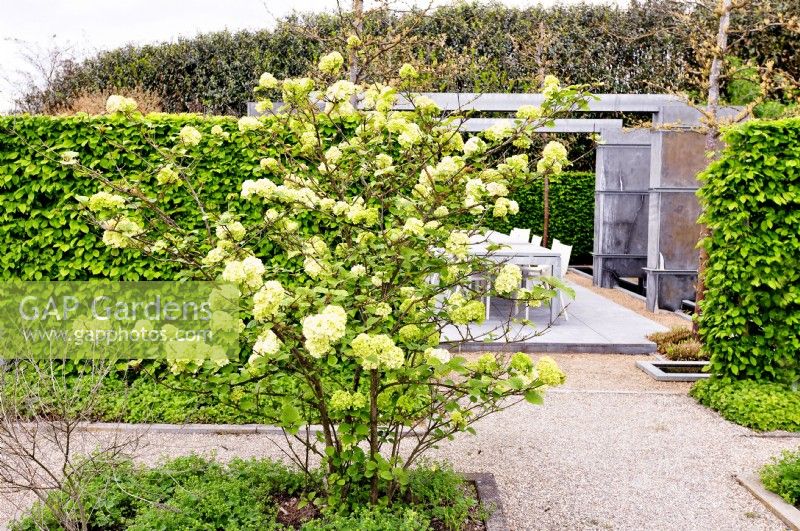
column 596, row 324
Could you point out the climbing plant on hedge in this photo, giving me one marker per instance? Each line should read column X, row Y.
column 750, row 322
column 44, row 237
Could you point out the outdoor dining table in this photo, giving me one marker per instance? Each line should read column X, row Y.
column 527, row 254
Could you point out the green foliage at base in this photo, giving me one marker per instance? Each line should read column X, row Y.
column 761, row 406
column 751, row 198
column 136, row 397
column 196, row 493
column 782, row 477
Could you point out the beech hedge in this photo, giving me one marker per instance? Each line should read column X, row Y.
column 44, row 236
column 750, row 323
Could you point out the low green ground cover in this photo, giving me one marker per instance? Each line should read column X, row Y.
column 762, row 406
column 782, row 477
column 196, row 493
column 152, row 396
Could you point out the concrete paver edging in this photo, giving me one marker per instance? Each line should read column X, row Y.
column 788, row 514
column 489, row 497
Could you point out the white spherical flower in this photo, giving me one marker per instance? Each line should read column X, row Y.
column 457, row 244
column 116, row 103
column 382, row 309
column 231, row 231
column 504, row 207
column 217, row 130
column 105, row 201
column 509, row 279
column 376, row 281
column 119, row 232
column 167, row 175
column 322, row 329
column 333, row 155
column 215, row 256
column 267, row 300
column 248, row 123
column 269, row 163
column 331, row 63
column 496, row 189
column 414, row 226
column 474, row 146
column 263, row 188
column 267, row 81
column 529, row 112
column 358, row 270
column 375, row 351
column 267, row 344
column 190, row 135
column 408, row 72
column 554, row 157
column 342, row 90
column 441, row 211
column 550, row 86
column 500, row 130
column 248, row 272
column 315, row 267
column 425, row 105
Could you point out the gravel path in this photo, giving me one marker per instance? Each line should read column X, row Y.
column 609, row 450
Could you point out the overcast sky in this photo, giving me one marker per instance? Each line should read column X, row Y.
column 87, row 26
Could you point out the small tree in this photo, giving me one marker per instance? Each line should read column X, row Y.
column 367, row 212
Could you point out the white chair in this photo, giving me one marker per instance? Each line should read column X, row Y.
column 536, row 239
column 530, row 273
column 520, row 235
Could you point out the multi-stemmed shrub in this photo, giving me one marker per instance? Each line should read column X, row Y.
column 345, row 320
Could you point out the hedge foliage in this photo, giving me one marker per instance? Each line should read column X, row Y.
column 761, row 406
column 644, row 48
column 571, row 212
column 750, row 322
column 43, row 235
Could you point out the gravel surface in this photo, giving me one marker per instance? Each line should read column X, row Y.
column 663, row 317
column 611, row 449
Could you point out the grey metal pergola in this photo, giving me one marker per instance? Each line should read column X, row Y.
column 646, row 208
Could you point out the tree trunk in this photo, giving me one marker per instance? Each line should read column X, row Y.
column 546, row 207
column 373, row 432
column 358, row 26
column 712, row 134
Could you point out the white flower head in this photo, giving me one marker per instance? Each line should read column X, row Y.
column 331, row 63
column 190, row 135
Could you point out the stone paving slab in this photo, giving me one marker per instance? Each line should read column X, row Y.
column 595, row 324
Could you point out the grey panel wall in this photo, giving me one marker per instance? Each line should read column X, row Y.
column 678, row 155
column 621, row 206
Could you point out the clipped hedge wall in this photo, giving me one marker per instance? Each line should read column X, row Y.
column 571, row 212
column 750, row 321
column 43, row 235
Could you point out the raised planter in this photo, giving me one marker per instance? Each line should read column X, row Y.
column 489, row 497
column 788, row 514
column 674, row 371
